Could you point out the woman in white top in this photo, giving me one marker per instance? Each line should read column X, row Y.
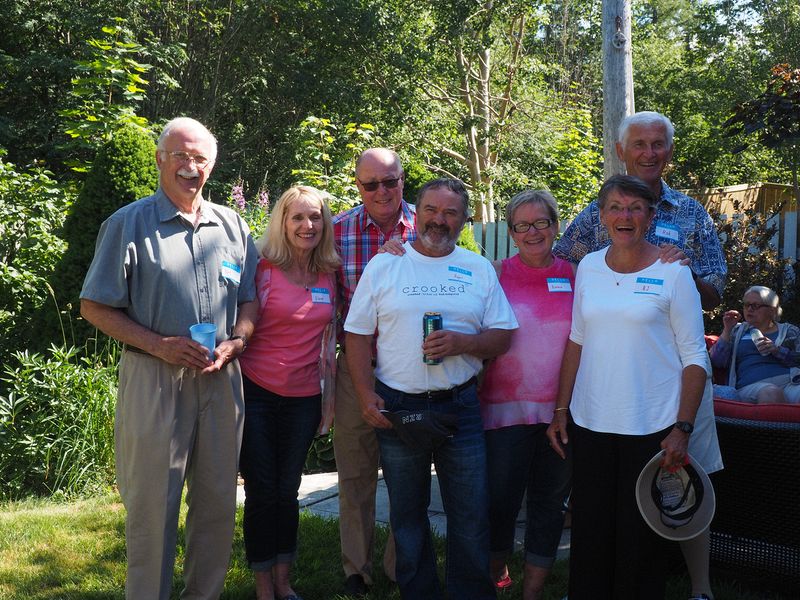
column 632, row 378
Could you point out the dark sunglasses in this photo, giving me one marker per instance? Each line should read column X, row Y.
column 389, row 184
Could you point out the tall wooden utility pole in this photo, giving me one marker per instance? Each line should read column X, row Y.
column 617, row 78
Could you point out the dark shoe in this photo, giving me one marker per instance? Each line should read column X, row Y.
column 290, row 597
column 355, row 586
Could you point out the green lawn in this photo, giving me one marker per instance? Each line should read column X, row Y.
column 75, row 551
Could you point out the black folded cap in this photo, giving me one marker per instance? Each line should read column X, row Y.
column 422, row 429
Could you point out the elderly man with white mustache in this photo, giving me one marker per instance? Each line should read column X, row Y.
column 162, row 264
column 681, row 226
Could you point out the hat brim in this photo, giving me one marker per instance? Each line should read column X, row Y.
column 652, row 515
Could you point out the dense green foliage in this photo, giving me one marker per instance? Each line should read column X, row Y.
column 32, row 209
column 773, row 117
column 123, row 171
column 56, row 423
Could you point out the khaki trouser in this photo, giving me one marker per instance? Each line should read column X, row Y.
column 357, row 460
column 173, row 424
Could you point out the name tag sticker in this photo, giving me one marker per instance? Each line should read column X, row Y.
column 460, row 275
column 646, row 285
column 231, row 271
column 668, row 231
column 558, row 284
column 320, row 296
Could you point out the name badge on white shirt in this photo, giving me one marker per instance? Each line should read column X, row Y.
column 668, row 231
column 460, row 275
column 320, row 296
column 647, row 285
column 231, row 271
column 558, row 284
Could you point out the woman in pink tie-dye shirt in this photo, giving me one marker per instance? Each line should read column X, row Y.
column 518, row 395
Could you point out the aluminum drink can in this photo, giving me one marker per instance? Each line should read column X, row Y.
column 431, row 321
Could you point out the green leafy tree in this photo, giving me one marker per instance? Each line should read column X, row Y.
column 573, row 171
column 773, row 117
column 107, row 90
column 123, row 171
column 32, row 208
column 40, row 42
column 328, row 154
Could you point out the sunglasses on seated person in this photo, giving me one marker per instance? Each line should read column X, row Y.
column 389, row 184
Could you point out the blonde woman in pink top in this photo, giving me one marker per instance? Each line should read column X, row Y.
column 518, row 395
column 282, row 369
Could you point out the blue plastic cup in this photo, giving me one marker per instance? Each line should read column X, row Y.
column 206, row 334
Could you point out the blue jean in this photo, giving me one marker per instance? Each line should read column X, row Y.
column 461, row 468
column 278, row 431
column 520, row 458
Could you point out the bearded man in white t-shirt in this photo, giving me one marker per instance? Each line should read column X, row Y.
column 393, row 295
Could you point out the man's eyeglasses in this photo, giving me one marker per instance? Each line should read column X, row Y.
column 753, row 305
column 389, row 184
column 183, row 157
column 540, row 224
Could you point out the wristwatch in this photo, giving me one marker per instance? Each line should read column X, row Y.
column 240, row 337
column 684, row 426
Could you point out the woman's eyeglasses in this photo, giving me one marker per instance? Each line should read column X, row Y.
column 539, row 224
column 753, row 305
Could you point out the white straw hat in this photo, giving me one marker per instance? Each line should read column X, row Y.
column 677, row 506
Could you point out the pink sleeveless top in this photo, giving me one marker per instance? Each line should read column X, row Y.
column 283, row 354
column 520, row 386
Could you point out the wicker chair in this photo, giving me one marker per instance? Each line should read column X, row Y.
column 756, row 528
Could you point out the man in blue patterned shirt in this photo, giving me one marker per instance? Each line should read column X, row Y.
column 682, row 227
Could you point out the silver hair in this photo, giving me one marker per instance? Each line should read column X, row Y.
column 541, row 197
column 645, row 118
column 187, row 122
column 768, row 296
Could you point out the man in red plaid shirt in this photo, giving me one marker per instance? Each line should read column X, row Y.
column 359, row 232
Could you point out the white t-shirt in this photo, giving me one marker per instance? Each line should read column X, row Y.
column 636, row 338
column 395, row 292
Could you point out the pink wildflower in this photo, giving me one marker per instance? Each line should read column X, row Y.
column 237, row 194
column 263, row 200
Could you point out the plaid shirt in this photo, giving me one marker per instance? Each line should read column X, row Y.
column 358, row 238
column 675, row 212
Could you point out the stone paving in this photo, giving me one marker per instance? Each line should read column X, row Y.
column 319, row 494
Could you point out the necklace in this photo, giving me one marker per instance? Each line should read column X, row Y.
column 614, row 273
column 617, row 281
column 302, row 277
column 305, row 279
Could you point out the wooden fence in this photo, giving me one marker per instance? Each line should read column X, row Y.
column 729, row 202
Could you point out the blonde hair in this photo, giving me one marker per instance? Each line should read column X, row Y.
column 274, row 245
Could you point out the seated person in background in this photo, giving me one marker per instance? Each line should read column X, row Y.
column 761, row 354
